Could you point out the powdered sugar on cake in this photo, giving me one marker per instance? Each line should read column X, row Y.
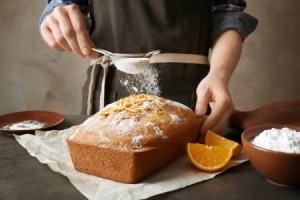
column 177, row 104
column 123, row 125
column 103, row 137
column 137, row 141
column 149, row 124
column 129, row 126
column 174, row 118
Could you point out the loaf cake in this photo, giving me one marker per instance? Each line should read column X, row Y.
column 132, row 138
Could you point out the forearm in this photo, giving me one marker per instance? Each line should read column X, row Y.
column 225, row 54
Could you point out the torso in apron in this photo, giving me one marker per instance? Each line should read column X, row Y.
column 139, row 26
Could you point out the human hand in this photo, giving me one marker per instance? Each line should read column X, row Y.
column 214, row 92
column 64, row 30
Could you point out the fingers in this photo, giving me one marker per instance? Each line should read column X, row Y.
column 57, row 34
column 93, row 55
column 49, row 39
column 63, row 15
column 218, row 118
column 64, row 29
column 216, row 94
column 219, row 127
column 80, row 30
column 202, row 102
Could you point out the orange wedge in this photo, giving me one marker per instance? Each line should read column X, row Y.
column 213, row 139
column 208, row 158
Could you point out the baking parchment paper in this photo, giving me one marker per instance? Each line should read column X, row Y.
column 50, row 148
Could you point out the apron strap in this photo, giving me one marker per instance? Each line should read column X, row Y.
column 106, row 62
column 179, row 58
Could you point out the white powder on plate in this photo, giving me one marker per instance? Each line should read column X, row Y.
column 25, row 125
column 283, row 140
column 146, row 82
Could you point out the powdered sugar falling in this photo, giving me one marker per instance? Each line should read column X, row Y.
column 146, row 82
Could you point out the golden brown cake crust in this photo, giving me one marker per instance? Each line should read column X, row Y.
column 133, row 137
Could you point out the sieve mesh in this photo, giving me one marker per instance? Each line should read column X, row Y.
column 131, row 65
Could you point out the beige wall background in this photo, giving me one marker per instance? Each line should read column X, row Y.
column 34, row 77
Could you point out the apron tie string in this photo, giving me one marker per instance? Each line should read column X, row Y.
column 105, row 62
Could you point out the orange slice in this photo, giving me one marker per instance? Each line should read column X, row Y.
column 208, row 158
column 213, row 139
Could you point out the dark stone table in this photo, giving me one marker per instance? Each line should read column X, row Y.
column 23, row 177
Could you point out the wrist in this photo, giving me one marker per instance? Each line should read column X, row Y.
column 220, row 75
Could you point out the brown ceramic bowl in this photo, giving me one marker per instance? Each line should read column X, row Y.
column 277, row 167
column 50, row 120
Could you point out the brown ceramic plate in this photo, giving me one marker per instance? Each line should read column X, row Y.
column 49, row 120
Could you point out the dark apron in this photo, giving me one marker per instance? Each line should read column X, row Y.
column 140, row 26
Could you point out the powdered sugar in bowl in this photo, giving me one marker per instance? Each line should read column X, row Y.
column 273, row 150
